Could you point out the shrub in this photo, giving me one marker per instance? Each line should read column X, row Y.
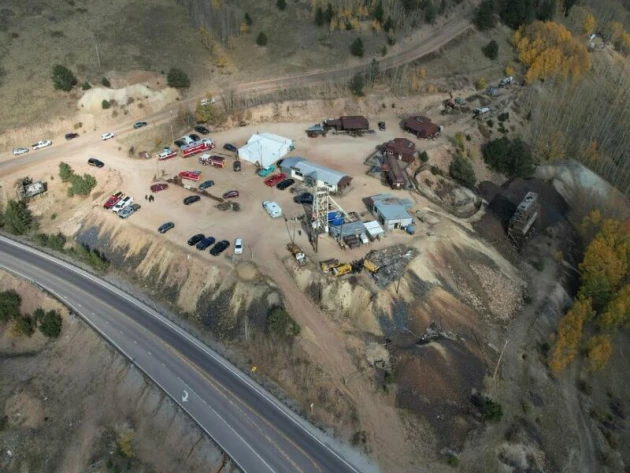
column 391, row 39
column 280, row 323
column 17, row 218
column 281, row 4
column 491, row 50
column 356, row 85
column 424, row 157
column 468, row 138
column 81, row 185
column 388, row 25
column 105, row 104
column 105, row 82
column 490, row 123
column 50, row 324
column 485, row 17
column 510, row 157
column 54, row 242
column 63, row 78
column 65, row 172
column 505, row 116
column 86, row 86
column 452, row 460
column 356, row 48
column 436, row 171
column 319, row 16
column 491, row 411
column 53, row 216
column 462, row 171
column 261, row 40
column 430, row 12
column 480, row 83
column 10, row 302
column 91, row 257
column 384, row 50
column 177, row 78
column 25, row 325
column 248, row 19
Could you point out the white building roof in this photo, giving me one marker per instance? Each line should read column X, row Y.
column 321, row 173
column 373, row 228
column 265, row 148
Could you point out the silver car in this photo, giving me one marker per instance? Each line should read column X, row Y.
column 128, row 211
column 19, row 151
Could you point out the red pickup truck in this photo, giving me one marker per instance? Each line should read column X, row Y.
column 273, row 180
column 113, row 200
column 190, row 175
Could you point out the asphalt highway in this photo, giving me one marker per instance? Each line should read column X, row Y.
column 253, row 428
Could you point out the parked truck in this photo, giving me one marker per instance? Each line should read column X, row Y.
column 297, row 253
column 167, row 153
column 197, row 147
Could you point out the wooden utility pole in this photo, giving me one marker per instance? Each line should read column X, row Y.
column 496, row 369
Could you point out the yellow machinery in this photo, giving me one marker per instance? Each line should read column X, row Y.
column 327, row 265
column 371, row 267
column 342, row 269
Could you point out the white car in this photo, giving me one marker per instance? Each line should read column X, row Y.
column 238, row 246
column 205, row 102
column 42, row 144
column 19, row 151
column 124, row 203
column 107, row 136
column 272, row 209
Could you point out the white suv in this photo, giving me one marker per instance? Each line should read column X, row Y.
column 107, row 136
column 238, row 246
column 126, row 202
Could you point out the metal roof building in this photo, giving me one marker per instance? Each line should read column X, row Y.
column 390, row 211
column 300, row 168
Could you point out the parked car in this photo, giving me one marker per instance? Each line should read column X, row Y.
column 113, row 200
column 285, row 184
column 191, row 199
column 205, row 243
column 305, row 198
column 121, row 204
column 206, row 184
column 159, row 187
column 139, row 125
column 96, row 163
column 275, row 179
column 193, row 240
column 179, row 143
column 206, row 102
column 219, row 248
column 187, row 139
column 230, row 147
column 238, row 246
column 272, row 209
column 194, row 137
column 42, row 144
column 236, row 165
column 266, row 171
column 71, row 136
column 19, row 151
column 129, row 210
column 165, row 227
column 107, row 136
column 230, row 194
column 201, row 129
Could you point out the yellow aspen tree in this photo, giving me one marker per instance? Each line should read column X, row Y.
column 598, row 351
column 613, row 31
column 569, row 335
column 589, row 24
column 617, row 313
column 509, row 70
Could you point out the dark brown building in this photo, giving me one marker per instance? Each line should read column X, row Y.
column 348, row 123
column 401, row 148
column 394, row 172
column 422, row 127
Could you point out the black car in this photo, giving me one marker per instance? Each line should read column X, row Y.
column 96, row 163
column 194, row 137
column 165, row 227
column 230, row 147
column 201, row 129
column 305, row 198
column 179, row 143
column 236, row 165
column 205, row 243
column 285, row 184
column 193, row 240
column 219, row 247
column 191, row 199
column 71, row 136
column 139, row 125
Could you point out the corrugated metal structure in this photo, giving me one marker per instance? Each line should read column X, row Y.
column 420, row 126
column 314, row 174
column 390, row 211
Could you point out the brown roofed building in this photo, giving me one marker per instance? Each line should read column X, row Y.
column 422, row 127
column 400, row 148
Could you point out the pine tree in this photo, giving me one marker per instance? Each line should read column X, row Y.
column 319, row 16
column 356, row 48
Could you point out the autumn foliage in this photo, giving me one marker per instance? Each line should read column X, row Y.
column 598, row 351
column 548, row 50
column 569, row 335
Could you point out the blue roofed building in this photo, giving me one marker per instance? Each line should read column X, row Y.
column 391, row 212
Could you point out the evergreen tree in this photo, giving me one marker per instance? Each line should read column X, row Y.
column 430, row 12
column 379, row 13
column 63, row 78
column 319, row 16
column 356, row 48
column 281, row 4
column 18, row 218
column 177, row 79
column 485, row 15
column 261, row 40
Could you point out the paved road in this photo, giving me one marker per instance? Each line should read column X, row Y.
column 257, row 432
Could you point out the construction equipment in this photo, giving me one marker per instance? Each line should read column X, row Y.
column 297, row 253
column 370, row 266
column 342, row 269
column 328, row 264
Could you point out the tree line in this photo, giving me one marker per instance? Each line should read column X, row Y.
column 47, row 322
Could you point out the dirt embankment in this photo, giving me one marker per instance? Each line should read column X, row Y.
column 65, row 405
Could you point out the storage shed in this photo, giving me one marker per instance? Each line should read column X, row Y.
column 420, row 126
column 390, row 211
column 401, row 148
column 315, row 174
column 373, row 229
column 265, row 149
column 394, row 173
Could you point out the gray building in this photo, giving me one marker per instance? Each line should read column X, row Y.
column 315, row 174
column 391, row 212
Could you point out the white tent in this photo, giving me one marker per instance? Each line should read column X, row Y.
column 265, row 149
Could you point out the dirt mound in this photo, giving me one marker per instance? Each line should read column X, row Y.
column 24, row 410
column 247, row 271
column 93, row 99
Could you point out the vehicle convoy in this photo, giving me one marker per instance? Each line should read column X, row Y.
column 196, row 147
column 275, row 179
column 297, row 253
column 167, row 153
column 41, row 144
column 190, row 175
column 113, row 200
column 266, row 171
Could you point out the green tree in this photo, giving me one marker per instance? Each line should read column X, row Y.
column 485, row 17
column 281, row 4
column 25, row 325
column 491, row 50
column 430, row 12
column 379, row 12
column 411, row 5
column 81, row 185
column 319, row 16
column 462, row 171
column 18, row 218
column 280, row 323
column 388, row 25
column 510, row 157
column 356, row 85
column 50, row 324
column 356, row 48
column 261, row 40
column 105, row 82
column 329, row 14
column 177, row 78
column 65, row 172
column 105, row 104
column 491, row 411
column 63, row 78
column 10, row 302
column 86, row 86
column 248, row 19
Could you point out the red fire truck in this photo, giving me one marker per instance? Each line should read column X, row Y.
column 166, row 154
column 197, row 147
column 190, row 175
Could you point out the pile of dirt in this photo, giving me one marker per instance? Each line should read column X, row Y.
column 92, row 100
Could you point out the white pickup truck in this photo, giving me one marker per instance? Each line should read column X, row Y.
column 42, row 144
